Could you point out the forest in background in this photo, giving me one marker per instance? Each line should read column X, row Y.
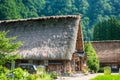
column 92, row 11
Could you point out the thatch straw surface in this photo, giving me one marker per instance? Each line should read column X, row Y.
column 46, row 37
column 107, row 51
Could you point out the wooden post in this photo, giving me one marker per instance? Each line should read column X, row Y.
column 80, row 62
column 12, row 67
column 79, row 65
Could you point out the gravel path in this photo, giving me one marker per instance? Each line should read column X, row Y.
column 80, row 77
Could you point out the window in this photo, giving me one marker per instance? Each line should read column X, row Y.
column 114, row 67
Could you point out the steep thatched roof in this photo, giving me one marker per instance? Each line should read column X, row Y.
column 108, row 51
column 53, row 37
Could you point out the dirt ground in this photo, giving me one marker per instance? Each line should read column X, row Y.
column 79, row 76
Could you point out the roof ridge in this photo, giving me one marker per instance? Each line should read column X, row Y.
column 45, row 17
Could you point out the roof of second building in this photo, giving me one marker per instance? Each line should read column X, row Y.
column 107, row 51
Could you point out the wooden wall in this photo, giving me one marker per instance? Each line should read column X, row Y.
column 79, row 42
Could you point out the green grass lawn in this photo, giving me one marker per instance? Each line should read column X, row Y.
column 107, row 77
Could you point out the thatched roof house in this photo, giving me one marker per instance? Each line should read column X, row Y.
column 107, row 51
column 51, row 38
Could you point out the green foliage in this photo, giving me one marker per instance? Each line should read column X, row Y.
column 7, row 45
column 92, row 59
column 85, row 70
column 16, row 74
column 107, row 70
column 107, row 77
column 107, row 30
column 92, row 11
column 44, row 75
column 3, row 72
column 101, row 70
column 19, row 74
column 54, row 75
column 8, row 10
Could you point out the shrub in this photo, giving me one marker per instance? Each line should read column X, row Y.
column 107, row 70
column 19, row 74
column 54, row 75
column 92, row 59
column 3, row 73
column 85, row 70
column 3, row 70
column 33, row 77
column 101, row 70
column 45, row 76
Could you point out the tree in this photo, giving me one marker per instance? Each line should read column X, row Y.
column 8, row 10
column 107, row 30
column 7, row 46
column 93, row 11
column 92, row 59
